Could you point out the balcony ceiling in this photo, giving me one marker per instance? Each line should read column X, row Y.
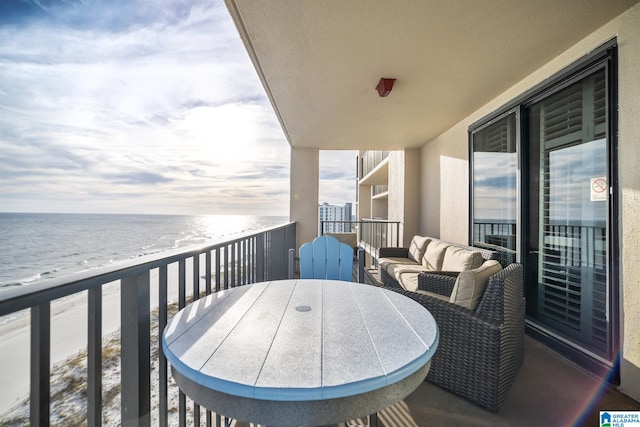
column 320, row 61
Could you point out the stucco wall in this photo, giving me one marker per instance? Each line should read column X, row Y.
column 396, row 186
column 304, row 188
column 412, row 195
column 404, row 192
column 445, row 204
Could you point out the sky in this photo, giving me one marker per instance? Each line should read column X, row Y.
column 140, row 106
column 571, row 174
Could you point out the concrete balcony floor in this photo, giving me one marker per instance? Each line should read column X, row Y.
column 549, row 391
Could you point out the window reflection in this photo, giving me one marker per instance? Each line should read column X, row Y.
column 495, row 165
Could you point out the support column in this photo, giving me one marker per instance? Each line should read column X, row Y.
column 304, row 189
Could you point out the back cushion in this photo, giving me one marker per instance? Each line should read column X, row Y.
column 459, row 259
column 417, row 247
column 470, row 284
column 434, row 255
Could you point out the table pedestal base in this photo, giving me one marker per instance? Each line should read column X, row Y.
column 301, row 413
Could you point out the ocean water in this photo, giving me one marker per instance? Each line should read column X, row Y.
column 36, row 246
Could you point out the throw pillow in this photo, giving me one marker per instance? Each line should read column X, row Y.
column 459, row 259
column 470, row 284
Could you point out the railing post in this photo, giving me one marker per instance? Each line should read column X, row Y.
column 225, row 285
column 163, row 400
column 182, row 302
column 196, row 277
column 182, row 283
column 260, row 258
column 40, row 361
column 135, row 342
column 196, row 295
column 218, row 277
column 208, row 272
column 251, row 260
column 234, row 265
column 94, row 358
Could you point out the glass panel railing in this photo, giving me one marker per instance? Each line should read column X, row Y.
column 371, row 159
column 376, row 190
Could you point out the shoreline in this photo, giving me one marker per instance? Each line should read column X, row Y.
column 68, row 333
column 68, row 382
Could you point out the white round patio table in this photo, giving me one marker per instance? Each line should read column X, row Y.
column 300, row 352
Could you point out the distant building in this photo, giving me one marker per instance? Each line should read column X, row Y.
column 333, row 217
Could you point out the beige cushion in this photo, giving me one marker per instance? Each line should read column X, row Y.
column 470, row 284
column 434, row 255
column 396, row 270
column 388, row 264
column 459, row 259
column 408, row 280
column 417, row 247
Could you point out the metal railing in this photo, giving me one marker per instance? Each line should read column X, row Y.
column 247, row 259
column 371, row 234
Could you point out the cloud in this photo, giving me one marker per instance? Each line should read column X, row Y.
column 494, row 186
column 136, row 178
column 337, row 177
column 134, row 106
column 337, row 174
column 140, row 106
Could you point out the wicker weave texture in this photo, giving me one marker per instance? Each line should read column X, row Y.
column 481, row 351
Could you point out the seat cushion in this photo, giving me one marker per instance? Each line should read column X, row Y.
column 434, row 255
column 470, row 284
column 388, row 264
column 417, row 247
column 395, row 270
column 460, row 259
column 408, row 280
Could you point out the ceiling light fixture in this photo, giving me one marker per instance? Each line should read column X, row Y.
column 384, row 86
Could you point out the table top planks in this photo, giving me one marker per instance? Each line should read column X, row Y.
column 298, row 340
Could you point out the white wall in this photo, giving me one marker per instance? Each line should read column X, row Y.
column 444, row 203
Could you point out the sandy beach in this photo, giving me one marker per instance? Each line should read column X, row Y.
column 68, row 335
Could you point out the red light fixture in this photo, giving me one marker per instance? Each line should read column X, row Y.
column 384, row 86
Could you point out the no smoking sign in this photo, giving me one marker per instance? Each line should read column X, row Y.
column 599, row 189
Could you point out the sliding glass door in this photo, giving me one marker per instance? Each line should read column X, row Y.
column 543, row 194
column 567, row 239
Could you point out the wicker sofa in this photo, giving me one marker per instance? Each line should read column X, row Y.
column 402, row 266
column 481, row 344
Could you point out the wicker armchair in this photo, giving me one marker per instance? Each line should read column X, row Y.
column 481, row 350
